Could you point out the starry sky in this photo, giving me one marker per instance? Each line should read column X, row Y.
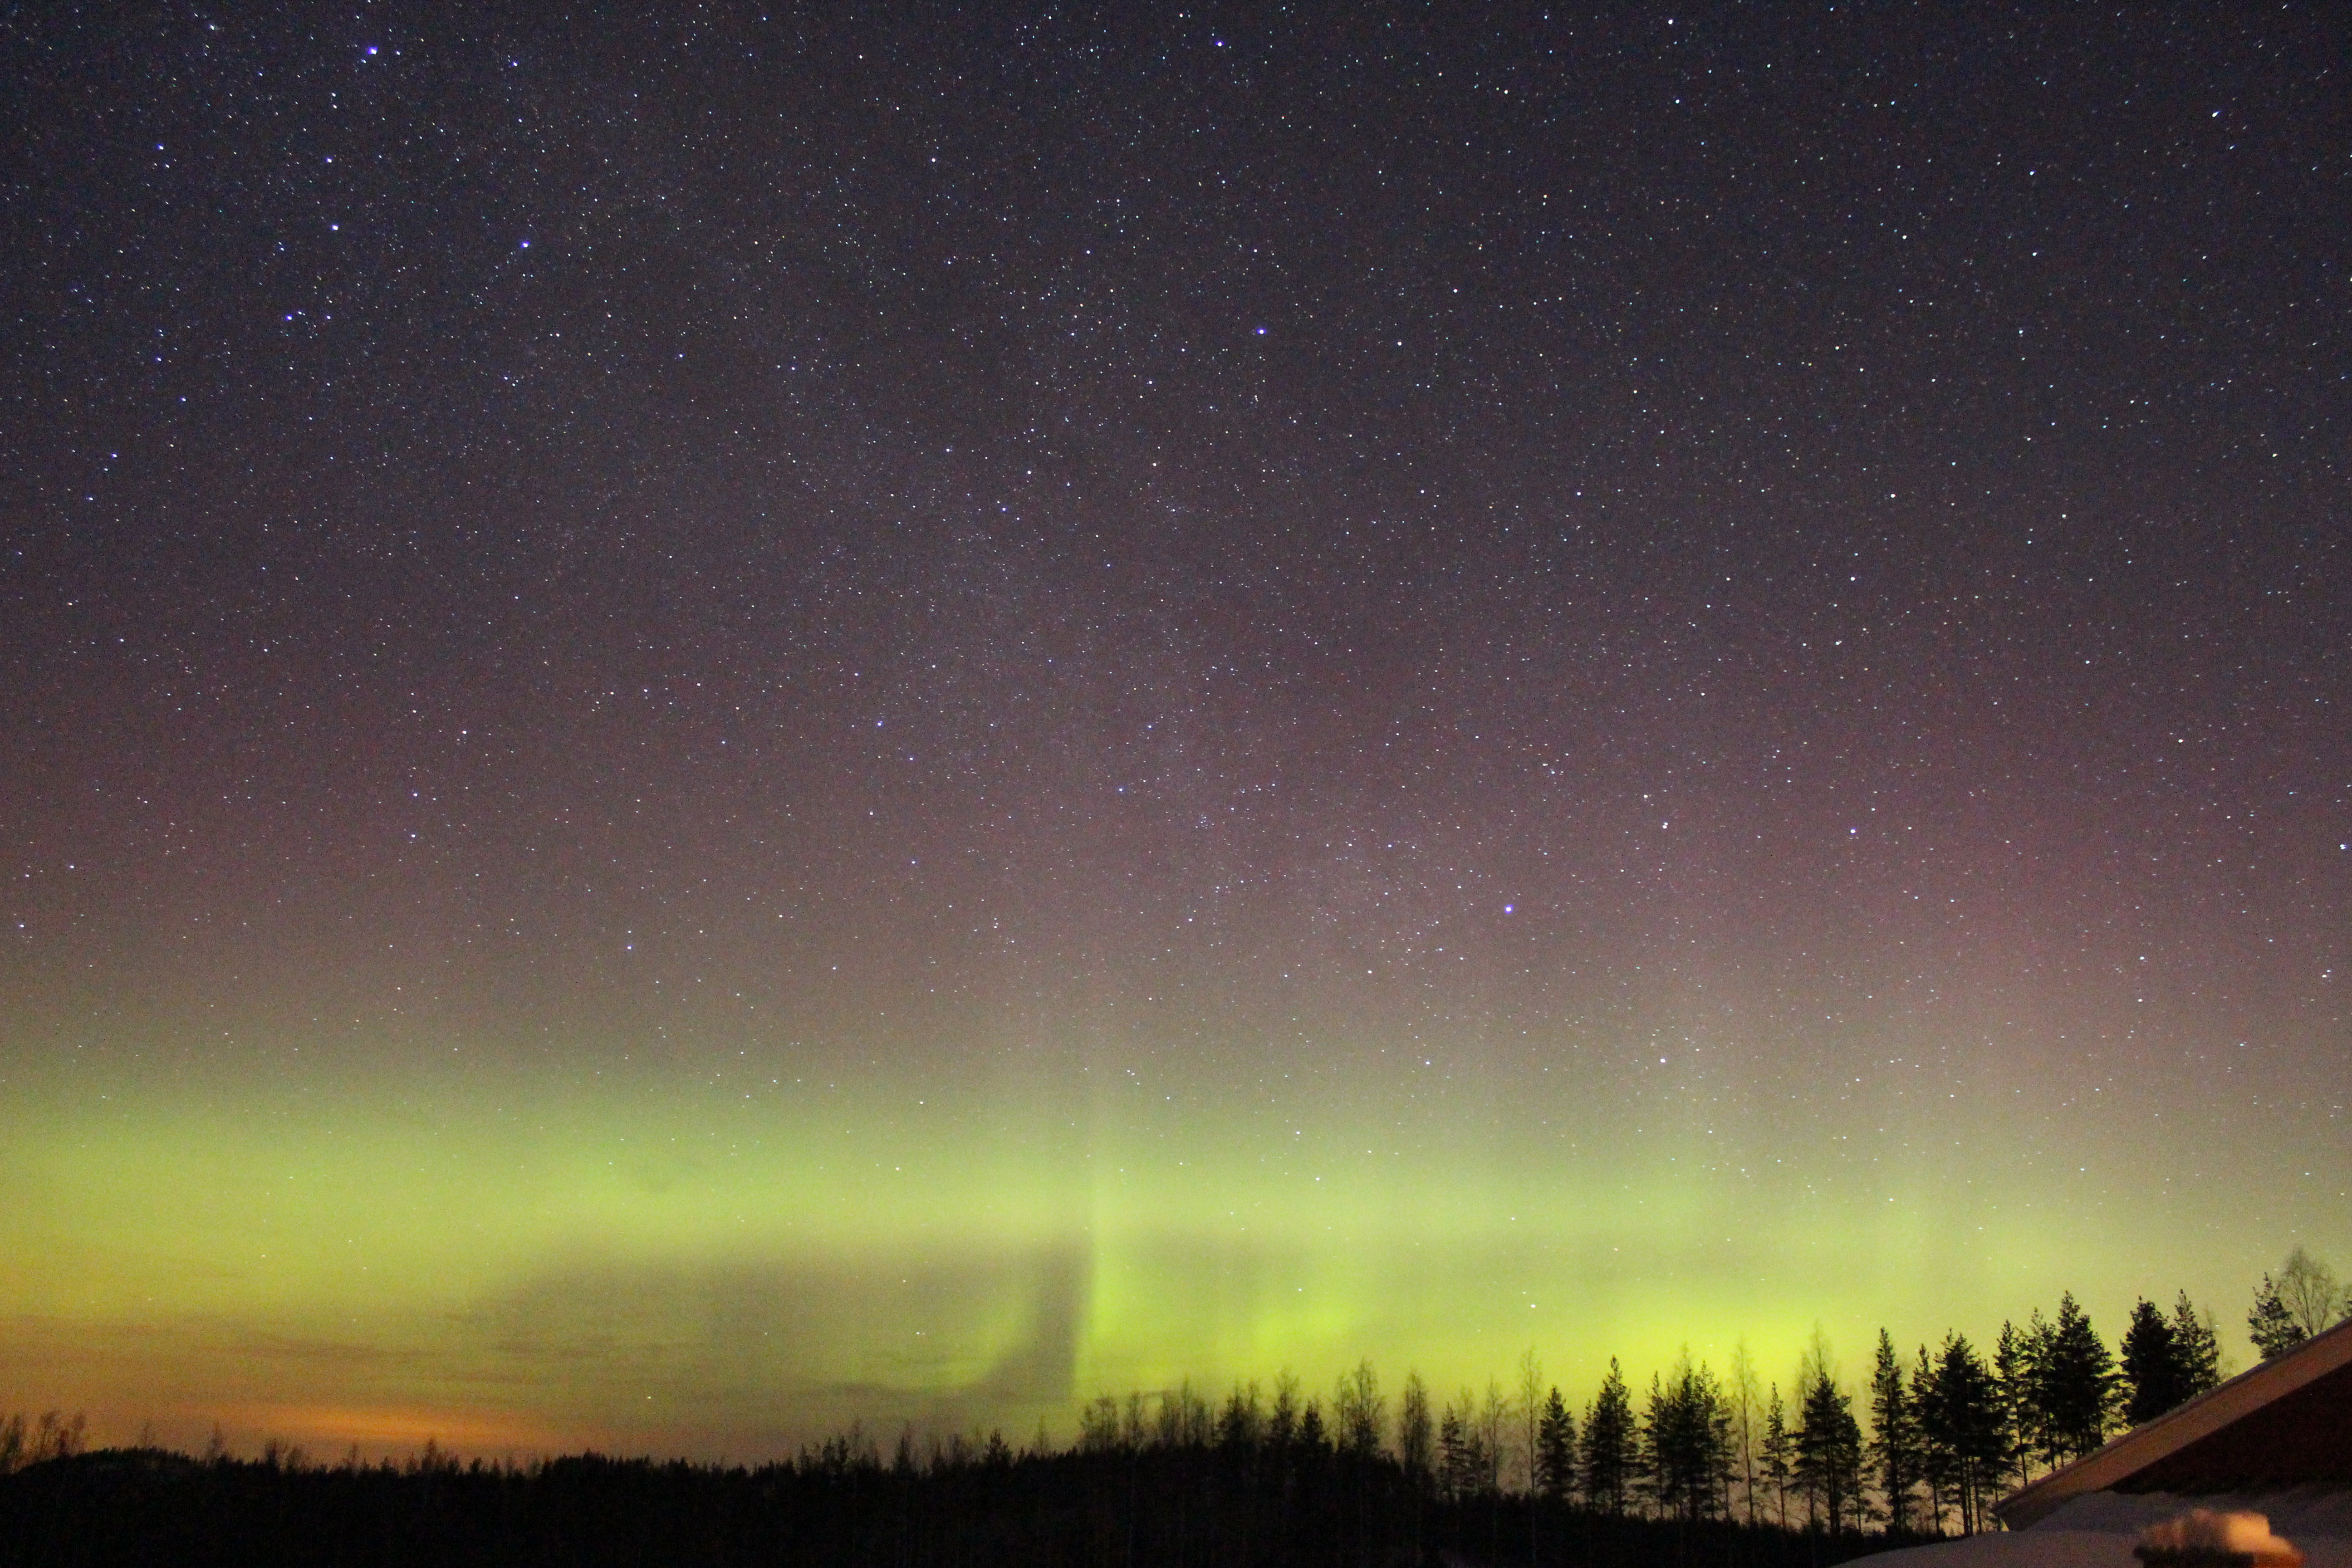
column 722, row 720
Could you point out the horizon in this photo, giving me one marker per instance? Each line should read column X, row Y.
column 329, row 1437
column 737, row 719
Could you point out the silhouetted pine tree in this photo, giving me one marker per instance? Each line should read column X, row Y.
column 1240, row 1426
column 1938, row 1469
column 1463, row 1466
column 1962, row 1424
column 2153, row 1367
column 2016, row 1364
column 1282, row 1419
column 1313, row 1437
column 2075, row 1385
column 2301, row 1301
column 1610, row 1454
column 1648, row 1484
column 2200, row 1344
column 1099, row 1428
column 1829, row 1457
column 2273, row 1328
column 1687, row 1443
column 1555, row 1450
column 1777, row 1455
column 1895, row 1435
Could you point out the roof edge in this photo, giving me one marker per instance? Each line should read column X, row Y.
column 2174, row 1430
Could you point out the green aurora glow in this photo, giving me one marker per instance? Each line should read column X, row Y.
column 727, row 722
column 515, row 1258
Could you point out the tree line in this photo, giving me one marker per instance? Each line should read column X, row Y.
column 1724, row 1468
column 1951, row 1429
column 1183, row 1492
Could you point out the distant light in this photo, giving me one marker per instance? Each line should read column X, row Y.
column 1507, row 908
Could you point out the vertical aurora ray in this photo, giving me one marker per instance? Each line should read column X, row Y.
column 523, row 1259
column 1025, row 716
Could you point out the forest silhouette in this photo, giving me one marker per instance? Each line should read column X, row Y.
column 1698, row 1469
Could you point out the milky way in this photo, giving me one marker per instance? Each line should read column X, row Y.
column 718, row 725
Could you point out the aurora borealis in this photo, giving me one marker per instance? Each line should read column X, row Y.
column 717, row 724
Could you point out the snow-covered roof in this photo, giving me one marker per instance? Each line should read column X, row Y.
column 2099, row 1529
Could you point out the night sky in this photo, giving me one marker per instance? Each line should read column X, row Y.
column 716, row 722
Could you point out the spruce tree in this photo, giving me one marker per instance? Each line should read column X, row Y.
column 1687, row 1443
column 2304, row 1301
column 2074, row 1384
column 2273, row 1327
column 1457, row 1462
column 1723, row 1448
column 1961, row 1417
column 1314, row 1438
column 1282, row 1422
column 2200, row 1343
column 1829, row 1457
column 1555, row 1450
column 1939, row 1463
column 2154, row 1370
column 1610, row 1455
column 1469, row 1456
column 1894, row 1444
column 1240, row 1426
column 1650, row 1480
